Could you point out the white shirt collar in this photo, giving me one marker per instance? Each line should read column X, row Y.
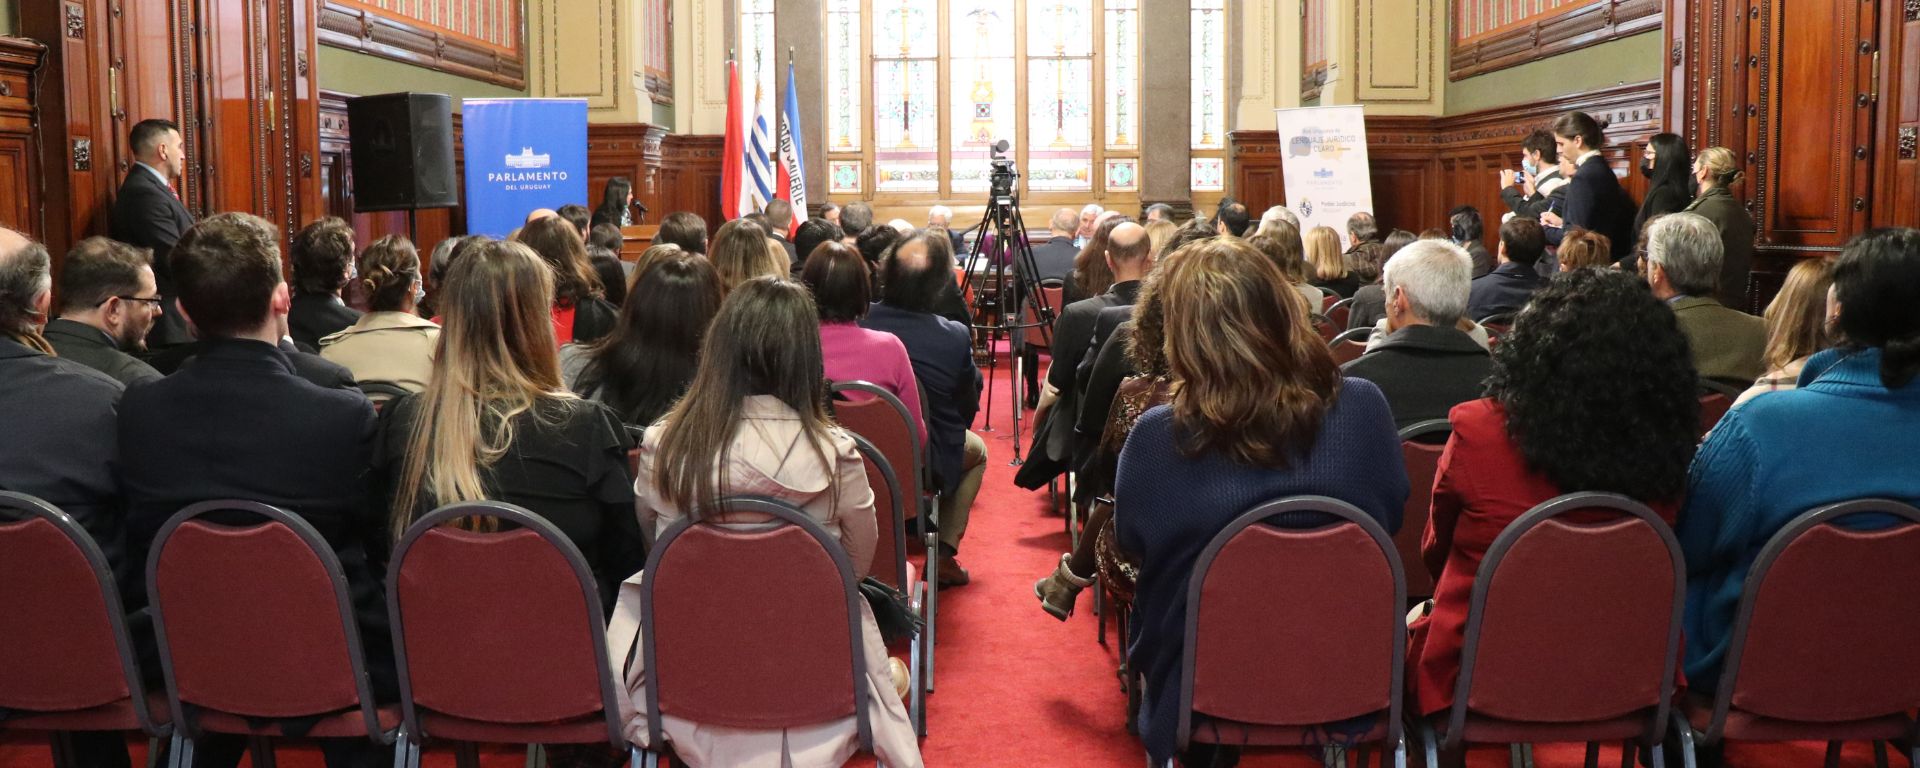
column 1582, row 159
column 156, row 173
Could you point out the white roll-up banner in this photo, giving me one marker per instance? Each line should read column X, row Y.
column 1323, row 153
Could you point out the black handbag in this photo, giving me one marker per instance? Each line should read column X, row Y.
column 892, row 612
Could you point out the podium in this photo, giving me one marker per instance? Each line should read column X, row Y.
column 636, row 239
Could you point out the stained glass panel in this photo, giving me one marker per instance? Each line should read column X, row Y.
column 982, row 84
column 1059, row 28
column 1208, row 174
column 905, row 132
column 1122, row 56
column 844, row 117
column 1060, row 124
column 905, row 29
column 1209, row 67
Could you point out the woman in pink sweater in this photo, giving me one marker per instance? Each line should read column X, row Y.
column 841, row 282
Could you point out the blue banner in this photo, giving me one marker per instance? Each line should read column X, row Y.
column 522, row 154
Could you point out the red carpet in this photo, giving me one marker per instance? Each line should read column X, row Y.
column 1016, row 688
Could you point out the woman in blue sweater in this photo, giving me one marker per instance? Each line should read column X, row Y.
column 1259, row 412
column 1850, row 431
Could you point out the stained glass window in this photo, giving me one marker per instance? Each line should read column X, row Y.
column 758, row 57
column 1122, row 54
column 981, row 87
column 1060, row 110
column 906, row 88
column 844, row 71
column 1209, row 63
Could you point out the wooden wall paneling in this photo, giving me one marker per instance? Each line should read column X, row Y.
column 334, row 182
column 19, row 166
column 633, row 151
column 366, row 28
column 1896, row 197
column 1553, row 33
column 1813, row 123
column 77, row 146
column 690, row 175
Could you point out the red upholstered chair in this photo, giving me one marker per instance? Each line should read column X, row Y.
column 1802, row 665
column 256, row 630
column 1339, row 312
column 728, row 610
column 69, row 664
column 890, row 565
column 1500, row 324
column 1039, row 334
column 1331, row 595
column 1324, row 325
column 1715, row 400
column 1327, row 301
column 1420, row 448
column 1350, row 344
column 498, row 637
column 884, row 421
column 1573, row 630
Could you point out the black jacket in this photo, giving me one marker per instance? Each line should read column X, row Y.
column 1596, row 201
column 93, row 348
column 1424, row 371
column 60, row 419
column 1506, row 289
column 1053, row 259
column 942, row 354
column 313, row 317
column 307, row 365
column 1531, row 206
column 146, row 213
column 1369, row 305
column 1662, row 199
column 1072, row 338
column 1736, row 234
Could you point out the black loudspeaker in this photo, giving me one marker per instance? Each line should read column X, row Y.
column 402, row 145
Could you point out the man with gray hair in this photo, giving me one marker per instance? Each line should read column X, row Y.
column 1276, row 214
column 856, row 218
column 1426, row 365
column 1683, row 267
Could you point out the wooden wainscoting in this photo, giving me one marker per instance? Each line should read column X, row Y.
column 1424, row 166
column 19, row 163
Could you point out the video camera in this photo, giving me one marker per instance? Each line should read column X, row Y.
column 1003, row 175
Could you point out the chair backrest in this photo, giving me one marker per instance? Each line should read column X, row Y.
column 1340, row 311
column 1715, row 400
column 254, row 619
column 66, row 639
column 1499, row 323
column 1574, row 620
column 1331, row 595
column 890, row 517
column 381, row 392
column 1798, row 653
column 1350, row 344
column 728, row 611
column 1325, row 326
column 1420, row 448
column 502, row 627
column 883, row 420
column 1041, row 335
column 1327, row 301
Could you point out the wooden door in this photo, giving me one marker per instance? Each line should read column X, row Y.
column 1811, row 125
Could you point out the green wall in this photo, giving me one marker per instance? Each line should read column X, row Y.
column 7, row 23
column 362, row 75
column 1635, row 59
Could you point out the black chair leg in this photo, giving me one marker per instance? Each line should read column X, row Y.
column 466, row 755
column 1593, row 755
column 1879, row 754
column 261, row 750
column 1833, row 754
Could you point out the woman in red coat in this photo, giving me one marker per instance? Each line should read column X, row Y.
column 1594, row 390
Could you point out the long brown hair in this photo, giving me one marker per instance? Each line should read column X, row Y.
column 496, row 360
column 1090, row 268
column 558, row 244
column 1323, row 252
column 739, row 253
column 1797, row 316
column 764, row 341
column 1253, row 379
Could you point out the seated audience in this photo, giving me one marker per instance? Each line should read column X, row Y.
column 1849, row 431
column 60, row 414
column 830, row 212
column 606, row 236
column 1466, row 229
column 842, row 292
column 1683, row 266
column 389, row 344
column 1614, row 413
column 683, row 229
column 579, row 311
column 1159, row 212
column 655, row 254
column 1091, row 274
column 856, row 218
column 322, row 256
column 755, row 422
column 1227, row 441
column 1426, row 365
column 1280, row 243
column 495, row 423
column 1361, row 230
column 1327, row 267
column 940, row 217
column 941, row 352
column 108, row 303
column 740, row 254
column 1581, row 249
column 811, row 234
column 1508, row 287
column 643, row 366
column 444, row 255
column 238, row 423
column 612, row 273
column 873, row 244
column 1798, row 325
column 779, row 225
column 577, row 215
column 1276, row 214
column 1089, row 218
column 1370, row 302
column 1053, row 259
column 1716, row 171
column 1232, row 220
column 1534, row 193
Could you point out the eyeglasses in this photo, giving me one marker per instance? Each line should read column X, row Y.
column 153, row 303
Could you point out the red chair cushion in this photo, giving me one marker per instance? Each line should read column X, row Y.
column 59, row 651
column 337, row 725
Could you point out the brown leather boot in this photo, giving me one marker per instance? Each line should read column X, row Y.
column 950, row 573
column 1060, row 589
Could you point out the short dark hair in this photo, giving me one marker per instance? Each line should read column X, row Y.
column 613, row 276
column 856, row 217
column 1466, row 223
column 1165, row 211
column 874, row 242
column 1524, row 240
column 1877, row 281
column 559, row 245
column 225, row 269
column 148, row 132
column 97, row 269
column 777, row 210
column 321, row 252
column 840, row 282
column 914, row 287
column 577, row 215
column 1541, row 140
column 1579, row 125
column 1235, row 216
column 813, row 233
column 606, row 236
column 684, row 229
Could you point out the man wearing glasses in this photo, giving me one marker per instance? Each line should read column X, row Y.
column 108, row 302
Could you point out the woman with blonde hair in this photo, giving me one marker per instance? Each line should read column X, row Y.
column 1797, row 327
column 495, row 422
column 390, row 344
column 1326, row 266
column 1159, row 233
column 1717, row 169
column 1257, row 411
column 1582, row 248
column 740, row 252
column 754, row 421
column 654, row 254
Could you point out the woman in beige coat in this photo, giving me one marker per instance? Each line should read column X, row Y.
column 754, row 422
column 389, row 344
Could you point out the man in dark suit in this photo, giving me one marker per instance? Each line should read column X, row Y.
column 942, row 354
column 1052, row 260
column 1594, row 199
column 1511, row 284
column 1425, row 365
column 941, row 217
column 779, row 225
column 1129, row 252
column 239, row 424
column 108, row 303
column 148, row 213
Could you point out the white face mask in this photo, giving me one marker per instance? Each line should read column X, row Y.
column 1526, row 164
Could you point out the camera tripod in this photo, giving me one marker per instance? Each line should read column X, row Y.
column 1000, row 246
